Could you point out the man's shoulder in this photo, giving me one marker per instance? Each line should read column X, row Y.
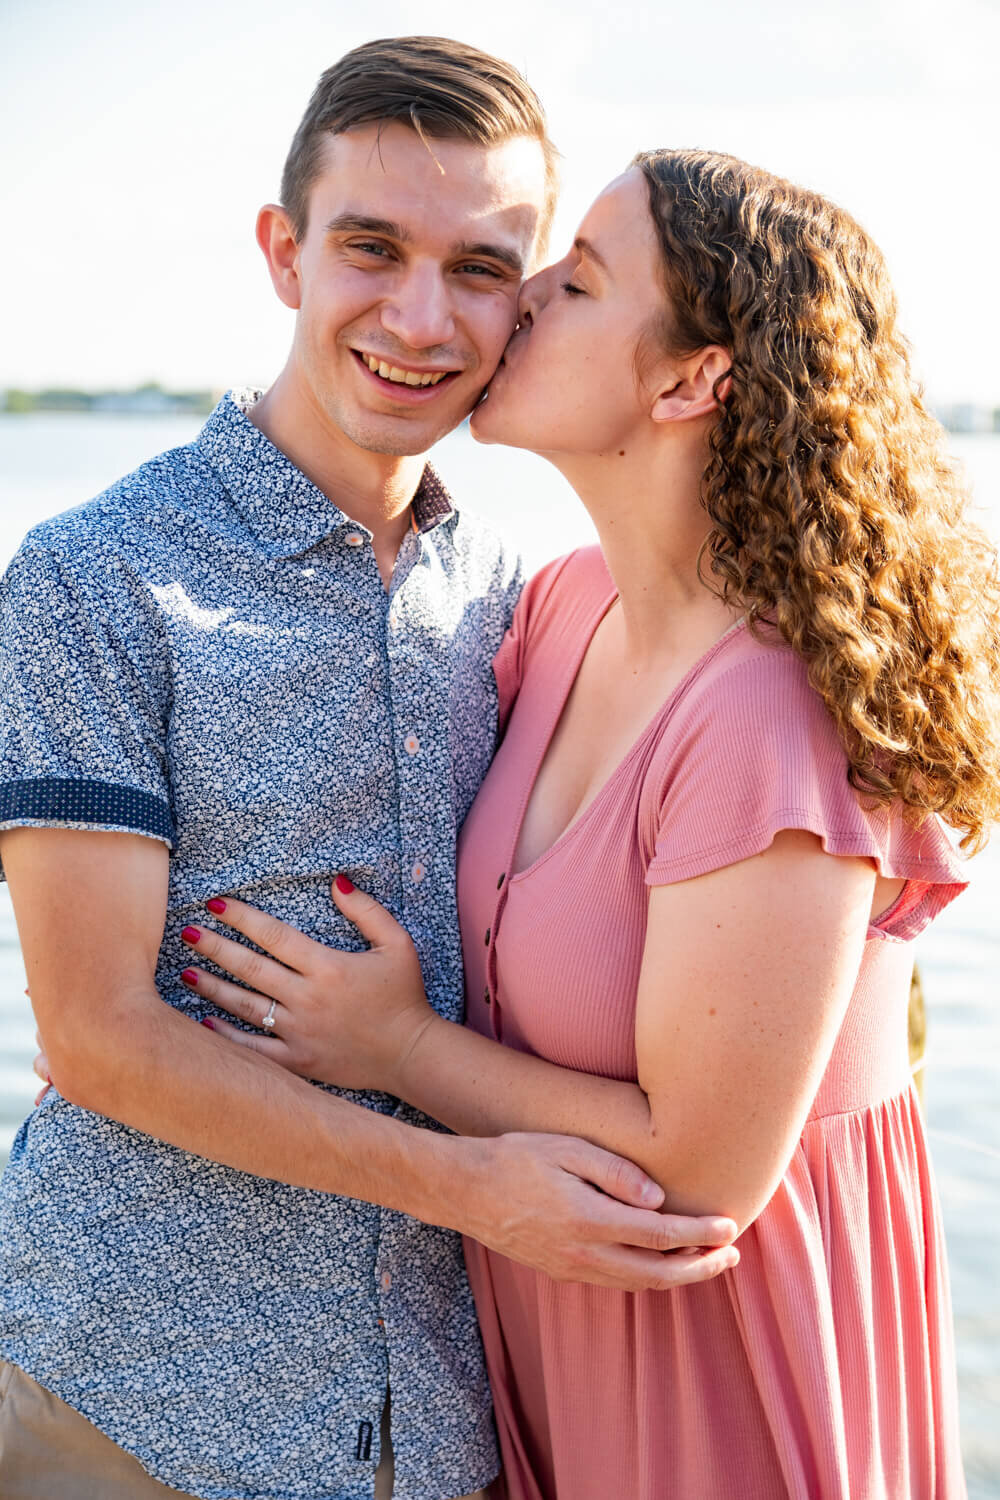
column 132, row 518
column 486, row 555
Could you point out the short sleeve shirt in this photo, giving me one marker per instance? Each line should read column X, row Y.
column 206, row 655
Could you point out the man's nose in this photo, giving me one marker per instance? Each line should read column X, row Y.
column 420, row 313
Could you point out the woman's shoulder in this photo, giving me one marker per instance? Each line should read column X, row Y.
column 565, row 590
column 751, row 748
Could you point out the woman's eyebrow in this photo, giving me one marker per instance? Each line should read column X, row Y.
column 590, row 250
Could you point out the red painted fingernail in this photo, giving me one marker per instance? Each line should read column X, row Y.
column 190, row 976
column 191, row 935
column 215, row 904
column 209, row 1023
column 344, row 886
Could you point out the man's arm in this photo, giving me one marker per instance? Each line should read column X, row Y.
column 90, row 909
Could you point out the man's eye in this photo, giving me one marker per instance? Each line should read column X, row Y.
column 371, row 247
column 479, row 270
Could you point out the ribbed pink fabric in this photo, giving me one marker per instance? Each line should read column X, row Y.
column 822, row 1367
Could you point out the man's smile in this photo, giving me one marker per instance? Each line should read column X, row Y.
column 405, row 379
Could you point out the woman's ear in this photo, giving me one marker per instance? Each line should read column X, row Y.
column 276, row 238
column 691, row 392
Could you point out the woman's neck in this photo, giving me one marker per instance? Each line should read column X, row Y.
column 652, row 527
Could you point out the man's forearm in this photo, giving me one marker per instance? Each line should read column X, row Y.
column 160, row 1073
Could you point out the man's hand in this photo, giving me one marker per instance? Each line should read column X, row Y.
column 579, row 1213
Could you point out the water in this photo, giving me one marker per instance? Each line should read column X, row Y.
column 50, row 462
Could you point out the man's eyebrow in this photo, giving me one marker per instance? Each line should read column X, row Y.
column 586, row 247
column 365, row 224
column 503, row 253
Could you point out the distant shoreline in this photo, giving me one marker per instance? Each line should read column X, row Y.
column 149, row 400
column 964, row 418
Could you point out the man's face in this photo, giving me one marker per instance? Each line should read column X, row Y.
column 408, row 278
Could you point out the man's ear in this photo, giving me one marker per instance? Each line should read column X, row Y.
column 276, row 238
column 691, row 390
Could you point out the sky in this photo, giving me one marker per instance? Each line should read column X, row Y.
column 139, row 139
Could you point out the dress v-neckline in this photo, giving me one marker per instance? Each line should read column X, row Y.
column 583, row 815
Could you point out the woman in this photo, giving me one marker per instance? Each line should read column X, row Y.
column 690, row 880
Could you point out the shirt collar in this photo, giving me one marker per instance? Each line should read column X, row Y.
column 285, row 511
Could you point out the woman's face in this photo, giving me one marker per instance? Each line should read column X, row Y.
column 567, row 382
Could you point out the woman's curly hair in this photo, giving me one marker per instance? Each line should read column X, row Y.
column 835, row 511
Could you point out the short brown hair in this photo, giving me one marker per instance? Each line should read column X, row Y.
column 441, row 88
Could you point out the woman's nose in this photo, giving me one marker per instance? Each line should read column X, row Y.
column 532, row 297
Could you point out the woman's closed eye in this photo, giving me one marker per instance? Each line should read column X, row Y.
column 573, row 291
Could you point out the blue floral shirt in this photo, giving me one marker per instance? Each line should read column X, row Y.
column 206, row 654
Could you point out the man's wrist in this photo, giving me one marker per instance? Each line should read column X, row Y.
column 451, row 1181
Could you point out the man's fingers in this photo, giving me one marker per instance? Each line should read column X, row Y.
column 636, row 1270
column 614, row 1175
column 634, row 1194
column 647, row 1230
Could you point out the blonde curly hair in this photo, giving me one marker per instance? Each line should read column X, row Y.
column 835, row 511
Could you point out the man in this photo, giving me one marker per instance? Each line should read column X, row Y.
column 258, row 663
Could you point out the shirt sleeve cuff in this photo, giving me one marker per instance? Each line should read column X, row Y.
column 80, row 802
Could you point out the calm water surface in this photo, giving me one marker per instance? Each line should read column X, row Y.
column 49, row 463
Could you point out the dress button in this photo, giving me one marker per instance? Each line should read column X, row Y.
column 488, row 937
column 411, row 744
column 486, row 995
column 354, row 539
column 500, row 882
column 386, row 1281
column 418, row 872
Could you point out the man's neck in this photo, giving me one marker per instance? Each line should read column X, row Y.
column 375, row 489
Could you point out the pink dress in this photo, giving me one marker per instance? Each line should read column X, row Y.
column 822, row 1367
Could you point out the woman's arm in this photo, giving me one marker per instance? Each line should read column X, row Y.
column 90, row 910
column 746, row 976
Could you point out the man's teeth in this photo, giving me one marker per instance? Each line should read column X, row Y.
column 401, row 377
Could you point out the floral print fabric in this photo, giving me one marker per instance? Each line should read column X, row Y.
column 206, row 655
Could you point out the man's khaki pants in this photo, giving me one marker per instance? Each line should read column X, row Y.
column 48, row 1451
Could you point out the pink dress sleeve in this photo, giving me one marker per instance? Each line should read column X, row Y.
column 749, row 750
column 508, row 664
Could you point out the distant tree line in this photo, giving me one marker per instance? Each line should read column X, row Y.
column 150, row 399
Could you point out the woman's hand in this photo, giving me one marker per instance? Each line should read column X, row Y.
column 344, row 1018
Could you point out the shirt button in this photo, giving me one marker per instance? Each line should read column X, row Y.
column 486, row 995
column 487, row 937
column 500, row 882
column 386, row 1281
column 354, row 539
column 418, row 872
column 411, row 744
